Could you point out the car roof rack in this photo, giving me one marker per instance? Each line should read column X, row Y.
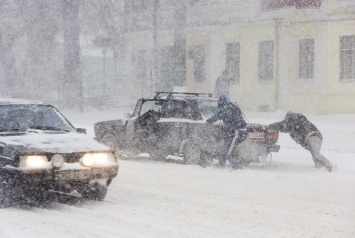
column 170, row 94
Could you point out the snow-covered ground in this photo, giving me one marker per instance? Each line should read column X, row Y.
column 289, row 198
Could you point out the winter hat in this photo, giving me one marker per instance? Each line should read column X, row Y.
column 288, row 115
column 223, row 100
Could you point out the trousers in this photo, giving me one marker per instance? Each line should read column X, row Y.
column 313, row 145
column 228, row 146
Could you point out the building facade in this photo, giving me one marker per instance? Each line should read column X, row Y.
column 288, row 55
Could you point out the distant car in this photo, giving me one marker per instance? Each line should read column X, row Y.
column 181, row 116
column 41, row 152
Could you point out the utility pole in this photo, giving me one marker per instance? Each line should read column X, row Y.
column 71, row 90
column 180, row 43
column 115, row 55
column 154, row 65
column 104, row 52
column 277, row 62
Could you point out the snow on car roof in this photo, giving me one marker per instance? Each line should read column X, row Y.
column 6, row 101
column 193, row 97
column 182, row 95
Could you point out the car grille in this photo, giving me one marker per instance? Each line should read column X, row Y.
column 68, row 157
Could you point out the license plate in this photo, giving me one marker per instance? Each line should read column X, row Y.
column 256, row 135
column 86, row 173
column 72, row 175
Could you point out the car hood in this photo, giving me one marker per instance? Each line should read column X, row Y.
column 54, row 143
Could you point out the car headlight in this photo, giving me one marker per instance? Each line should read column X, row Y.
column 103, row 158
column 33, row 161
column 97, row 159
column 87, row 160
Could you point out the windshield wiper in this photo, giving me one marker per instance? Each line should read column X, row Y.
column 49, row 128
column 12, row 130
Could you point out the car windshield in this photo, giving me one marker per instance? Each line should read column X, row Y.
column 30, row 116
column 207, row 108
column 181, row 109
column 151, row 105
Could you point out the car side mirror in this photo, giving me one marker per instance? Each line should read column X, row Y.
column 127, row 115
column 81, row 130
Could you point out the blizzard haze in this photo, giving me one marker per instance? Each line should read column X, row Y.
column 93, row 59
column 289, row 198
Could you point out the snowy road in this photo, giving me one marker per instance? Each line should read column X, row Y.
column 290, row 198
column 168, row 200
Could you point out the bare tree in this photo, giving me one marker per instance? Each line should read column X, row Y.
column 72, row 91
column 41, row 61
column 10, row 30
column 27, row 33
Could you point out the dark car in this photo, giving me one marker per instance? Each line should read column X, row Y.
column 181, row 116
column 41, row 152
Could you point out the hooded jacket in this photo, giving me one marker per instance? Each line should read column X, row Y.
column 230, row 114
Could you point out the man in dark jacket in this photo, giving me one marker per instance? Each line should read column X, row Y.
column 234, row 126
column 147, row 131
column 222, row 84
column 304, row 133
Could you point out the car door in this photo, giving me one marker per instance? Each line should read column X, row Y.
column 130, row 122
column 173, row 123
column 142, row 107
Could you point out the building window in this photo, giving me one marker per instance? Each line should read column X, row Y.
column 197, row 54
column 193, row 2
column 346, row 3
column 266, row 61
column 233, row 60
column 141, row 65
column 167, row 69
column 347, row 58
column 306, row 59
column 269, row 5
column 135, row 5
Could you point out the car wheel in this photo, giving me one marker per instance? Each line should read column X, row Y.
column 245, row 163
column 192, row 153
column 4, row 195
column 8, row 195
column 264, row 157
column 158, row 155
column 96, row 191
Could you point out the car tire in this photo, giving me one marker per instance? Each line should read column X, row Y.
column 192, row 153
column 96, row 192
column 4, row 195
column 9, row 196
column 158, row 155
column 245, row 163
column 263, row 157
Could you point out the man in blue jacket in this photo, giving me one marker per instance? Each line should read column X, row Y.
column 234, row 126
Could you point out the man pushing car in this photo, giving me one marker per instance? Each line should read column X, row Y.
column 305, row 133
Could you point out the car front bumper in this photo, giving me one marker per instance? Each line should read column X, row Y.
column 54, row 176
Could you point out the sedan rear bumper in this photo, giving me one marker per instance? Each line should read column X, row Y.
column 273, row 148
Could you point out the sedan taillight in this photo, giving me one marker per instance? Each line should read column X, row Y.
column 271, row 136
